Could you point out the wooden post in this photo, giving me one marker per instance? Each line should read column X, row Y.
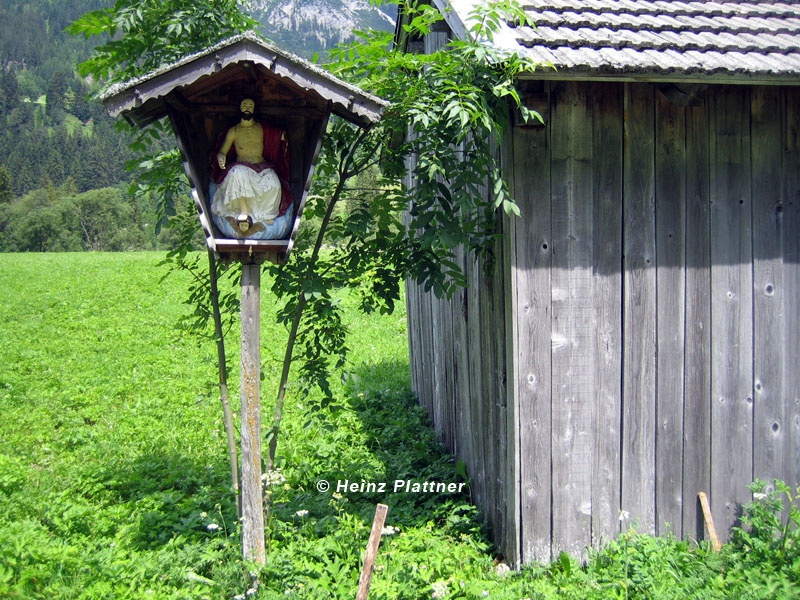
column 372, row 551
column 712, row 531
column 252, row 501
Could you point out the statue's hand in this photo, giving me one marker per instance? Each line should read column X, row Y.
column 221, row 160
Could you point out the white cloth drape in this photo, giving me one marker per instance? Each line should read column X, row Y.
column 260, row 190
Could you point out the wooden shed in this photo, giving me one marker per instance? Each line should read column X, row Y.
column 637, row 340
column 201, row 94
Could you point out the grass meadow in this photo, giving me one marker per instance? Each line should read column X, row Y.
column 114, row 481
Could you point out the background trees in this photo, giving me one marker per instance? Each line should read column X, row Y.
column 62, row 219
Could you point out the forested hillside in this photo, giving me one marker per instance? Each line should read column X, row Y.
column 49, row 130
column 58, row 145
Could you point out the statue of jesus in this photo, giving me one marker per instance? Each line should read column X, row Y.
column 251, row 168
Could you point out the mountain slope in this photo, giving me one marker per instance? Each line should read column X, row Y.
column 308, row 26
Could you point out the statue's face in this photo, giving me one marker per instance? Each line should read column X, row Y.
column 247, row 108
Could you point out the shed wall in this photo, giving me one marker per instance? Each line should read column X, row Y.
column 644, row 311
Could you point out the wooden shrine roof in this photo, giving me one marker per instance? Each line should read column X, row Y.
column 144, row 99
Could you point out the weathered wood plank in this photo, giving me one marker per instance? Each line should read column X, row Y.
column 670, row 189
column 769, row 292
column 638, row 404
column 446, row 391
column 489, row 333
column 412, row 317
column 438, row 367
column 434, row 41
column 464, row 429
column 697, row 353
column 413, row 313
column 607, row 185
column 731, row 307
column 476, row 375
column 791, row 282
column 488, row 361
column 512, row 525
column 428, row 365
column 420, row 327
column 530, row 271
column 573, row 317
column 500, row 393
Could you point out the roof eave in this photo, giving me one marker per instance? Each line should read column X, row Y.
column 660, row 77
column 142, row 100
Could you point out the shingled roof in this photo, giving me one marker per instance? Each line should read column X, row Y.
column 735, row 40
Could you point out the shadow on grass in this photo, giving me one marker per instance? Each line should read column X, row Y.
column 169, row 494
column 389, row 456
column 379, row 435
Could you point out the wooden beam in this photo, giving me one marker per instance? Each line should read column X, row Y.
column 252, row 501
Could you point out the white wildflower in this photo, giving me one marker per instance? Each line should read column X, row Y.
column 251, row 592
column 389, row 530
column 203, row 515
column 301, row 513
column 760, row 496
column 624, row 515
column 439, row 589
column 502, row 569
column 271, row 478
column 238, row 597
column 212, row 526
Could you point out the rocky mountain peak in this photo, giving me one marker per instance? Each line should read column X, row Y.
column 308, row 26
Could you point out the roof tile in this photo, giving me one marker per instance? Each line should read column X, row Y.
column 754, row 39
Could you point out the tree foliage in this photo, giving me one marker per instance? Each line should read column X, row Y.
column 47, row 127
column 146, row 34
column 448, row 110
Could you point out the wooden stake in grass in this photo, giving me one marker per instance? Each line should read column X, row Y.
column 712, row 531
column 372, row 551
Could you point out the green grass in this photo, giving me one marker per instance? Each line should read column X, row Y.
column 112, row 447
column 114, row 479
